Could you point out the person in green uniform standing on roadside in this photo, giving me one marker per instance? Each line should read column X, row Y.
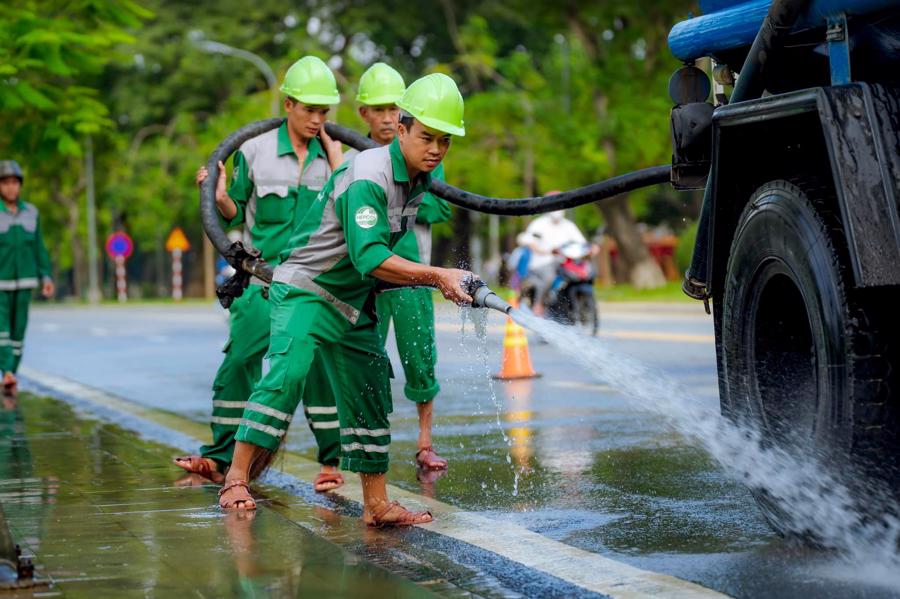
column 277, row 176
column 411, row 309
column 24, row 266
column 323, row 305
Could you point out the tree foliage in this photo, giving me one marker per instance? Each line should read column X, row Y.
column 558, row 94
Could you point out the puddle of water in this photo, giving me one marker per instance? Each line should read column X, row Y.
column 798, row 484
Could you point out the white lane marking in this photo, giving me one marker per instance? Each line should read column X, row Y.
column 583, row 386
column 581, row 568
column 50, row 327
column 99, row 331
column 445, row 327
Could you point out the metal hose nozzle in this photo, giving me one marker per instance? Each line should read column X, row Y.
column 483, row 297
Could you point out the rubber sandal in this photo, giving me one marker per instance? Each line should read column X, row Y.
column 407, row 518
column 226, row 504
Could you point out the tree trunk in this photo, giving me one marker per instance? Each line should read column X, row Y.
column 453, row 32
column 70, row 201
column 162, row 286
column 643, row 271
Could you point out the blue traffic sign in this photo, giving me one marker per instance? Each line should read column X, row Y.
column 119, row 244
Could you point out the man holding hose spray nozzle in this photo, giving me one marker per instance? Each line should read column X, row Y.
column 322, row 300
column 410, row 308
column 277, row 176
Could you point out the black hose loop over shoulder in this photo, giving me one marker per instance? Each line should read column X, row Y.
column 506, row 207
column 209, row 215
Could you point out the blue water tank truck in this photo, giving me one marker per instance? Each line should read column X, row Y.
column 798, row 245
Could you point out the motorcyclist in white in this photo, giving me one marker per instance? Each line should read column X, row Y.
column 544, row 236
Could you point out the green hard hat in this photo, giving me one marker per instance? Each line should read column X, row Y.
column 310, row 81
column 435, row 101
column 380, row 84
column 11, row 168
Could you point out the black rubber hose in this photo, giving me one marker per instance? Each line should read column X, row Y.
column 594, row 192
column 209, row 215
column 522, row 206
column 464, row 199
column 769, row 41
column 767, row 44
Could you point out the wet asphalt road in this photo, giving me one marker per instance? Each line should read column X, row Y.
column 571, row 458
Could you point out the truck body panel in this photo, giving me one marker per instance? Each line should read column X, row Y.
column 859, row 125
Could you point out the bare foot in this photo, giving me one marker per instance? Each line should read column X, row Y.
column 391, row 514
column 427, row 457
column 10, row 385
column 235, row 495
column 328, row 479
column 205, row 467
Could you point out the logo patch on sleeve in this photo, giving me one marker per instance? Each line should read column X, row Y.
column 366, row 217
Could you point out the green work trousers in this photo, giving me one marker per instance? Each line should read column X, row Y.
column 13, row 322
column 304, row 325
column 247, row 343
column 412, row 311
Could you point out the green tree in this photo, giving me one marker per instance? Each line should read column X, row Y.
column 52, row 54
column 558, row 94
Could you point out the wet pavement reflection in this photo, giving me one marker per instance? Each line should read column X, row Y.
column 565, row 456
column 98, row 511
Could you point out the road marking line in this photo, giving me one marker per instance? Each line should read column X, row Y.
column 583, row 386
column 627, row 334
column 650, row 336
column 578, row 567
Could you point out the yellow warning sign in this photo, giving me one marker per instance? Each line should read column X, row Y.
column 177, row 241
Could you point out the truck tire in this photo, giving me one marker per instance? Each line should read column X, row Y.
column 803, row 355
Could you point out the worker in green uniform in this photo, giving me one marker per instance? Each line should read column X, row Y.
column 411, row 309
column 277, row 176
column 24, row 266
column 322, row 300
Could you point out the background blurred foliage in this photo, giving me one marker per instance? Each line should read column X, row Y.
column 558, row 94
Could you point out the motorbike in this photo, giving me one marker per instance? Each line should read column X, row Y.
column 571, row 300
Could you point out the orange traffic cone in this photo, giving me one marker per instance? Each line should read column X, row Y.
column 516, row 359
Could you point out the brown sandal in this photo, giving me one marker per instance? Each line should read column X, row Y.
column 407, row 518
column 431, row 458
column 324, row 478
column 227, row 504
column 199, row 465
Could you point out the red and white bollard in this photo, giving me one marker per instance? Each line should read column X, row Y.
column 121, row 282
column 176, row 275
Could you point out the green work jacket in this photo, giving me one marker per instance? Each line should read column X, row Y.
column 415, row 245
column 271, row 192
column 358, row 218
column 24, row 261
